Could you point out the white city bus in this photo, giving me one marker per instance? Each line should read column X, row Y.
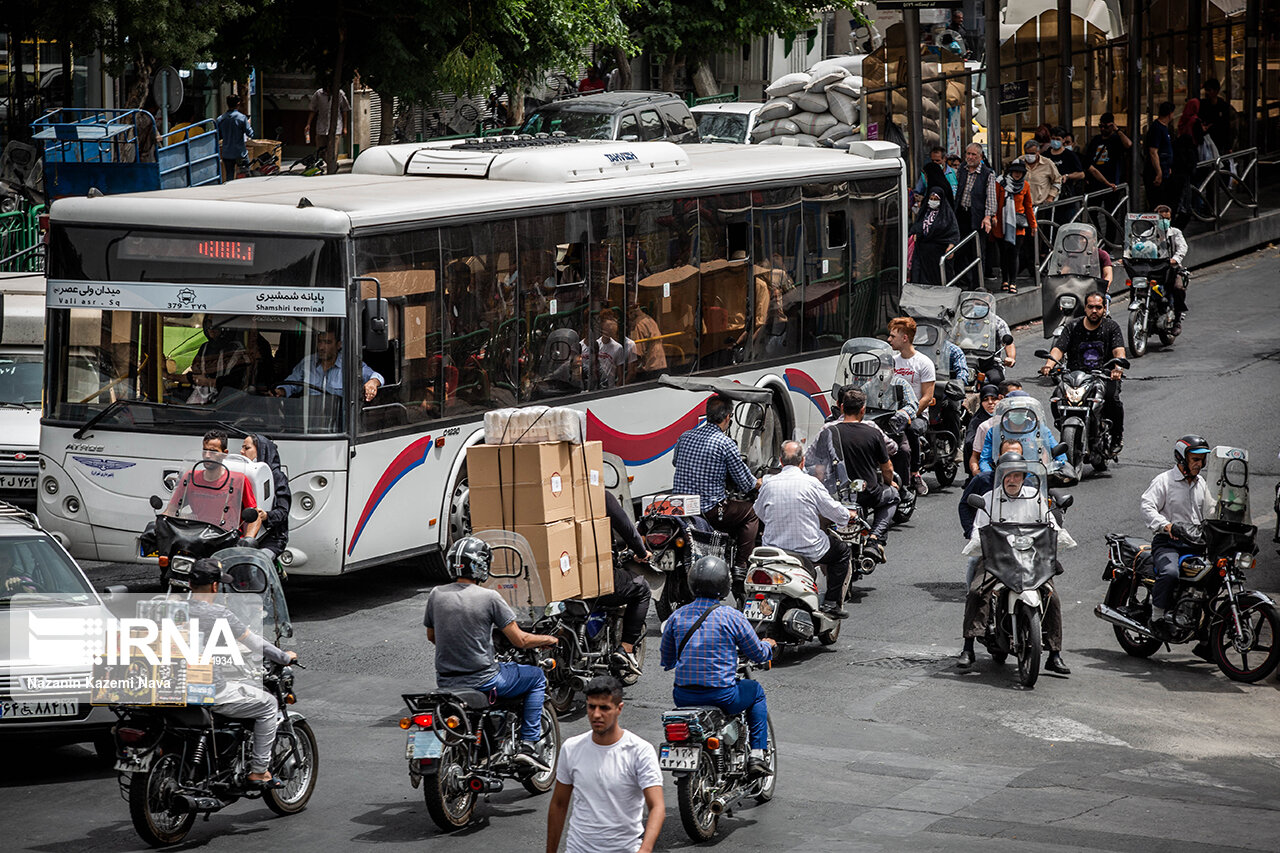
column 493, row 272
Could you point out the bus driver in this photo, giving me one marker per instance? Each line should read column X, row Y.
column 322, row 372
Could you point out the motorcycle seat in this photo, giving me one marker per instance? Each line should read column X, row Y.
column 711, row 716
column 770, row 554
column 474, row 699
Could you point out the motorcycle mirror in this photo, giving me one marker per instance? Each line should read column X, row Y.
column 156, row 503
column 1006, row 340
column 976, row 501
column 248, row 515
column 1043, row 353
column 1061, row 500
column 1059, row 449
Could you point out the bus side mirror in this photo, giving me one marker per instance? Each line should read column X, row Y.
column 376, row 336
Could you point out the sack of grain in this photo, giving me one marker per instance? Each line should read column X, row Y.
column 812, row 102
column 777, row 127
column 788, row 83
column 777, row 108
column 843, row 106
column 834, row 132
column 814, row 124
column 821, row 80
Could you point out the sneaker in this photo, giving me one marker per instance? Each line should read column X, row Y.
column 1177, row 328
column 627, row 661
column 834, row 610
column 917, row 483
column 527, row 755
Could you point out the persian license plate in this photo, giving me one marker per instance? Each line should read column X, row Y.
column 10, row 481
column 679, row 757
column 757, row 610
column 422, row 745
column 17, row 711
column 135, row 762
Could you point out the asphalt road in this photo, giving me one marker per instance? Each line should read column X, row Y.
column 885, row 744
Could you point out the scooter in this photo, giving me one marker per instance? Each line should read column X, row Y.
column 782, row 599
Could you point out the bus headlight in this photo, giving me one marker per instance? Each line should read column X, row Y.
column 50, row 485
column 307, row 503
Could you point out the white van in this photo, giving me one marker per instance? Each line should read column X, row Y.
column 21, row 375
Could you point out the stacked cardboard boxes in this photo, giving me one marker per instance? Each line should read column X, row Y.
column 552, row 494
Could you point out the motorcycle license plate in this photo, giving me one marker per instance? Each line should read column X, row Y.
column 758, row 610
column 422, row 745
column 135, row 762
column 679, row 757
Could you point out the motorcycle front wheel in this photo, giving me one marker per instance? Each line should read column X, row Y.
column 450, row 802
column 1030, row 643
column 694, row 794
column 946, row 467
column 769, row 783
column 1138, row 333
column 151, row 800
column 301, row 750
column 1254, row 654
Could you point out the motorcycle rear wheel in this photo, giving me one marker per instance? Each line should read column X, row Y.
column 1117, row 597
column 150, row 795
column 694, row 794
column 770, row 783
column 1030, row 643
column 1264, row 628
column 1138, row 333
column 450, row 802
column 293, row 797
column 540, row 783
column 946, row 467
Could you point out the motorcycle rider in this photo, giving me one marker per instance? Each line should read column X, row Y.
column 705, row 457
column 1177, row 254
column 988, row 397
column 918, row 371
column 792, row 506
column 460, row 619
column 202, row 492
column 1046, row 437
column 1087, row 343
column 629, row 589
column 861, row 446
column 238, row 699
column 702, row 641
column 1173, row 503
column 1025, row 508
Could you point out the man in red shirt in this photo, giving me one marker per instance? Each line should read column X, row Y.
column 208, row 492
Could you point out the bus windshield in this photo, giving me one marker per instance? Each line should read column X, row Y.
column 182, row 333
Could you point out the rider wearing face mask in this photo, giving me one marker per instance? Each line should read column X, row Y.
column 1177, row 255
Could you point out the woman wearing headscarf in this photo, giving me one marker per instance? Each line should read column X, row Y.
column 1186, row 154
column 1015, row 220
column 936, row 231
column 275, row 534
column 935, row 175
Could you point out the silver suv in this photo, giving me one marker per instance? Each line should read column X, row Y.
column 37, row 700
column 626, row 116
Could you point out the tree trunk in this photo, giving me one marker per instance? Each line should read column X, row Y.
column 387, row 122
column 704, row 81
column 667, row 82
column 335, row 100
column 515, row 106
column 624, row 68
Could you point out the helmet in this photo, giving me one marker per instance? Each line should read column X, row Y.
column 1189, row 444
column 709, row 578
column 1009, row 457
column 470, row 558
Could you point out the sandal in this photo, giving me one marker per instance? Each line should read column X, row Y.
column 1004, row 288
column 263, row 784
column 1012, row 288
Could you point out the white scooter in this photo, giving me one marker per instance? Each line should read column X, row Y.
column 782, row 599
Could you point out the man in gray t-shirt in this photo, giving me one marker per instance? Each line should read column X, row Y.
column 460, row 619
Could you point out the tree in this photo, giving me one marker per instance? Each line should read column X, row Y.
column 693, row 30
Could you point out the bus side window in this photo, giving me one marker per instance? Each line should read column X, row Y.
column 827, row 303
column 776, row 226
column 725, row 243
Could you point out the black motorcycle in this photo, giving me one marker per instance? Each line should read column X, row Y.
column 677, row 541
column 1150, row 303
column 938, row 444
column 1077, row 413
column 707, row 751
column 589, row 634
column 176, row 763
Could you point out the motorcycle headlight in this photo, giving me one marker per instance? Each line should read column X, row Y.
column 1066, row 303
column 1245, row 561
column 1139, row 284
column 1075, row 395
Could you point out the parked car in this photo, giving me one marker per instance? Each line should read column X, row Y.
column 630, row 116
column 731, row 122
column 39, row 700
column 21, row 375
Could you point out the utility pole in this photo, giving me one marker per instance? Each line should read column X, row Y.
column 915, row 139
column 1252, row 99
column 1066, row 69
column 1134, row 71
column 993, row 83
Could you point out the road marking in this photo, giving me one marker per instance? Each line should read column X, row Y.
column 1172, row 773
column 1059, row 729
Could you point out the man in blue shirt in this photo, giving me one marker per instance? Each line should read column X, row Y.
column 703, row 647
column 233, row 131
column 321, row 373
column 705, row 457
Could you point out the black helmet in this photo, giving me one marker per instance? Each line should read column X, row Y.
column 469, row 557
column 1189, row 444
column 709, row 578
column 1006, row 458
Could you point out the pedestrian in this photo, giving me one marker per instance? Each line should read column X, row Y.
column 318, row 118
column 936, row 233
column 234, row 132
column 1104, row 155
column 1042, row 135
column 1218, row 117
column 953, row 170
column 1066, row 161
column 928, row 177
column 975, row 206
column 610, row 776
column 1186, row 156
column 1043, row 178
column 1015, row 221
column 1157, row 155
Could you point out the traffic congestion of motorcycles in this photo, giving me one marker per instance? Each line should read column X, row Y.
column 970, row 424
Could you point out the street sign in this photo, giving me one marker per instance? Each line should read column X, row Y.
column 1015, row 97
column 166, row 88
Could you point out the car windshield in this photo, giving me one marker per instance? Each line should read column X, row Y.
column 20, row 376
column 722, row 127
column 33, row 565
column 583, row 125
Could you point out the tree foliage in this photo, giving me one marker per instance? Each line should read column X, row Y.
column 695, row 28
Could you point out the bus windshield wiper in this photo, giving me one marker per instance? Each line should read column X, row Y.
column 94, row 419
column 14, row 404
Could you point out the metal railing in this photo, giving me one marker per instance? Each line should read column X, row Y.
column 1223, row 182
column 976, row 238
column 1105, row 210
column 21, row 246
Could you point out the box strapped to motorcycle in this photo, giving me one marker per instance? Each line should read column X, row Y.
column 1020, row 545
column 1226, row 471
column 975, row 326
column 1073, row 273
column 513, row 574
column 756, row 428
column 1022, row 419
column 866, row 364
column 1143, row 239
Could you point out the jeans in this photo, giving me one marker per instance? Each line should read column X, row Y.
column 243, row 702
column 979, row 485
column 634, row 594
column 746, row 695
column 515, row 679
column 880, row 500
column 1113, row 409
column 1167, row 556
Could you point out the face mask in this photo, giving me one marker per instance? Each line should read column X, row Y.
column 935, row 203
column 1055, row 144
column 1164, row 224
column 1068, row 147
column 1030, row 158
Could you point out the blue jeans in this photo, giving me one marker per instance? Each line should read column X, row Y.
column 746, row 695
column 515, row 679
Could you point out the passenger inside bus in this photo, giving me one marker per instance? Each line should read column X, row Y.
column 615, row 359
column 648, row 341
column 321, row 373
column 219, row 362
column 560, row 371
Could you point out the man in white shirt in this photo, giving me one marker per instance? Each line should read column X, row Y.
column 615, row 360
column 610, row 776
column 792, row 505
column 1173, row 502
column 318, row 117
column 1177, row 259
column 917, row 369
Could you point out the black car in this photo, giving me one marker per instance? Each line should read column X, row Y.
column 628, row 116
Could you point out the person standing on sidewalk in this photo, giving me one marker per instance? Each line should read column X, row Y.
column 234, row 132
column 975, row 207
column 1015, row 221
column 610, row 776
column 1157, row 156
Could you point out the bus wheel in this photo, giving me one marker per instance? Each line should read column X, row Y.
column 459, row 509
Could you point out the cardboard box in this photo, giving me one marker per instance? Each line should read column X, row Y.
column 256, row 147
column 595, row 556
column 516, row 484
column 586, row 461
column 555, row 551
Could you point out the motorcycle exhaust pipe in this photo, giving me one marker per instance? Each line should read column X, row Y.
column 719, row 805
column 1115, row 617
column 196, row 803
column 480, row 785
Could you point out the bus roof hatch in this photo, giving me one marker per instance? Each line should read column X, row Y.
column 546, row 160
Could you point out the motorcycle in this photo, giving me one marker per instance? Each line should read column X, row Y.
column 974, row 332
column 176, row 763
column 707, row 750
column 1073, row 273
column 1211, row 604
column 782, row 599
column 462, row 743
column 1146, row 260
column 934, row 310
column 1019, row 557
column 1077, row 413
